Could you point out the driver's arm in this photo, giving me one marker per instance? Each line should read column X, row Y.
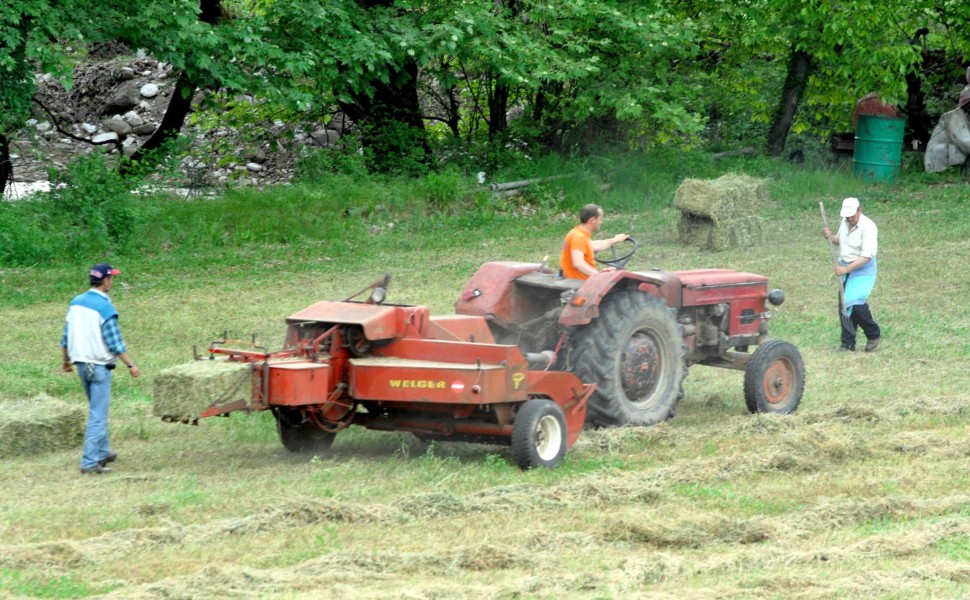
column 579, row 262
column 607, row 243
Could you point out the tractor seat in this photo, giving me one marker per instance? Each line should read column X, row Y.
column 549, row 281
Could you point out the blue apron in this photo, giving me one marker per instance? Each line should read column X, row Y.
column 859, row 284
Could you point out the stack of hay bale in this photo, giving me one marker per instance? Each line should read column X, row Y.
column 184, row 392
column 41, row 424
column 721, row 213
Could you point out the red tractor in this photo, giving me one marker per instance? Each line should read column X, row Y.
column 634, row 334
column 396, row 368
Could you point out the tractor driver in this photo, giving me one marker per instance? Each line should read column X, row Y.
column 577, row 260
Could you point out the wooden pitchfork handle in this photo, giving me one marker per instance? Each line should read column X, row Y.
column 835, row 259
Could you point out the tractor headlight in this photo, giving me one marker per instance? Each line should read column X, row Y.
column 378, row 295
column 776, row 297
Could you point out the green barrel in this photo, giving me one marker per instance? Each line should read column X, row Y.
column 878, row 147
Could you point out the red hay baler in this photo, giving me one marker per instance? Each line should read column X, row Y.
column 395, row 368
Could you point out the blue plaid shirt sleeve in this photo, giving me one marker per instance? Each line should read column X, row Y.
column 112, row 336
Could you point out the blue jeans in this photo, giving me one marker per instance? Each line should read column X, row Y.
column 96, row 380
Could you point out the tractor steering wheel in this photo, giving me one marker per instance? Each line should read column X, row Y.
column 618, row 262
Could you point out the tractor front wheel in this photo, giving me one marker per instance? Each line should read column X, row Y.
column 635, row 354
column 539, row 434
column 774, row 378
column 299, row 434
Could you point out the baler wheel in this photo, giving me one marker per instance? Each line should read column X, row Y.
column 539, row 434
column 774, row 378
column 299, row 434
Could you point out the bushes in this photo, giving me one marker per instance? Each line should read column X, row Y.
column 89, row 213
column 93, row 204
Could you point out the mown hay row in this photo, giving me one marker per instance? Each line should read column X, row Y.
column 41, row 424
column 184, row 392
column 721, row 213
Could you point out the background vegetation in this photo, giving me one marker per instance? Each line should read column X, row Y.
column 428, row 83
column 863, row 492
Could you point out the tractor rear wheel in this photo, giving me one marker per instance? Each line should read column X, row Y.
column 298, row 434
column 635, row 354
column 774, row 378
column 539, row 434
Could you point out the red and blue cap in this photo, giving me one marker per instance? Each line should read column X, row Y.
column 102, row 270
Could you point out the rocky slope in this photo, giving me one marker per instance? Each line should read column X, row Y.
column 115, row 105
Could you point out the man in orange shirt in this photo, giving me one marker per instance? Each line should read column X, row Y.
column 577, row 260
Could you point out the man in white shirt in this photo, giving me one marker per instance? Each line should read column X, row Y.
column 858, row 245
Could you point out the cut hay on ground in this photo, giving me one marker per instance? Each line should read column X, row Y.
column 721, row 213
column 184, row 392
column 41, row 424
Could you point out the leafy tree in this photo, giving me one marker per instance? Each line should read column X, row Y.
column 819, row 56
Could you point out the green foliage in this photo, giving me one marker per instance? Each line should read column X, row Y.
column 89, row 213
column 316, row 165
column 441, row 189
column 24, row 238
column 92, row 201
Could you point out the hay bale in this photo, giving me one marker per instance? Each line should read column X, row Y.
column 184, row 392
column 721, row 213
column 41, row 424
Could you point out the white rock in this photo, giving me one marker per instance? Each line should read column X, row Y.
column 88, row 128
column 149, row 90
column 133, row 118
column 325, row 137
column 255, row 167
column 44, row 126
column 128, row 142
column 31, row 122
column 146, row 73
column 104, row 138
column 140, row 53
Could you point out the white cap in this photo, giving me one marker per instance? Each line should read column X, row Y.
column 850, row 206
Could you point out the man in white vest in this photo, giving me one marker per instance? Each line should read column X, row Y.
column 858, row 242
column 92, row 341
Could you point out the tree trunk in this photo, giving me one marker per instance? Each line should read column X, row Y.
column 18, row 87
column 917, row 116
column 390, row 121
column 178, row 106
column 6, row 169
column 799, row 68
column 498, row 106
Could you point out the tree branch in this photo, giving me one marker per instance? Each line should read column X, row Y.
column 62, row 131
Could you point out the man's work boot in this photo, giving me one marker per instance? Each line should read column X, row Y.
column 110, row 458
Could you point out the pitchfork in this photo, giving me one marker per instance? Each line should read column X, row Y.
column 843, row 311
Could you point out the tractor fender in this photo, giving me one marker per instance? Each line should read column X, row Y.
column 585, row 305
column 491, row 293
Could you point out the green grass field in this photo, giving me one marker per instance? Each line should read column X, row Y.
column 862, row 493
